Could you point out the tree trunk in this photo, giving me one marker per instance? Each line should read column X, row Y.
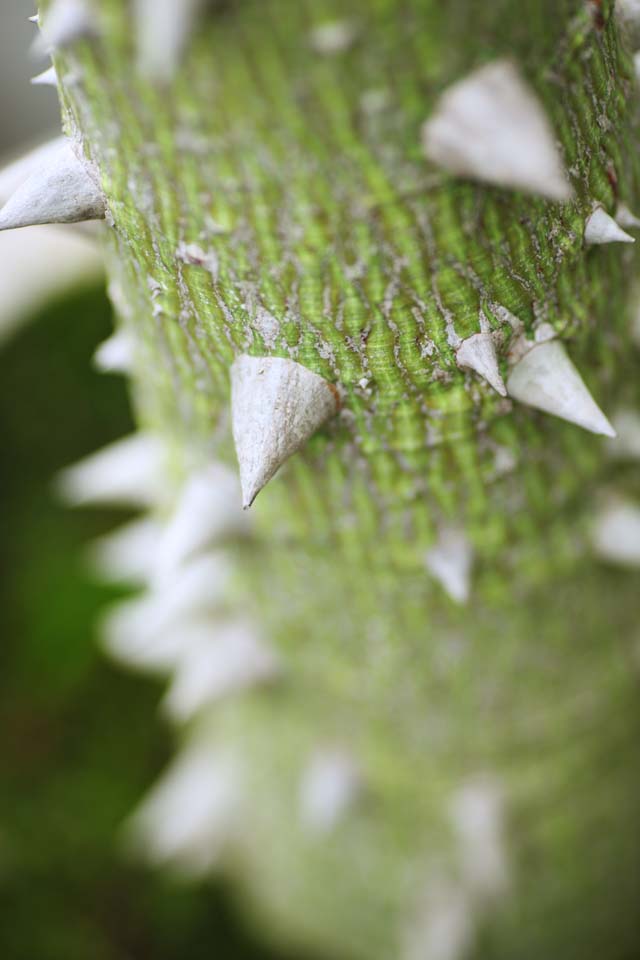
column 271, row 198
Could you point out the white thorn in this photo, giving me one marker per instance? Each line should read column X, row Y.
column 477, row 812
column 545, row 378
column 333, row 36
column 128, row 555
column 196, row 591
column 197, row 588
column 48, row 78
column 443, row 925
column 208, row 510
column 478, row 352
column 15, row 174
column 126, row 638
column 220, row 659
column 490, row 126
column 505, row 460
column 276, row 406
column 34, row 19
column 601, row 228
column 450, row 562
column 191, row 814
column 115, row 355
column 456, row 897
column 625, row 218
column 66, row 22
column 128, row 473
column 626, row 444
column 60, row 191
column 153, row 632
column 163, row 28
column 616, row 533
column 330, row 786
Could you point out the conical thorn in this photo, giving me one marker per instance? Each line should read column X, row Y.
column 490, row 126
column 615, row 533
column 48, row 78
column 625, row 218
column 115, row 355
column 545, row 378
column 478, row 352
column 450, row 562
column 602, row 228
column 62, row 190
column 163, row 28
column 192, row 813
column 330, row 786
column 66, row 22
column 276, row 406
column 129, row 472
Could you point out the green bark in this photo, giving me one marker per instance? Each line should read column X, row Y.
column 337, row 245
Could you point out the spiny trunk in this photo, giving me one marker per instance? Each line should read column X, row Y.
column 272, row 198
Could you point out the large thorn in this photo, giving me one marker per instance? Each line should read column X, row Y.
column 207, row 511
column 478, row 353
column 220, row 659
column 16, row 172
column 443, row 925
column 192, row 813
column 62, row 191
column 625, row 218
column 602, row 228
column 196, row 591
column 152, row 632
column 163, row 28
column 276, row 405
column 626, row 445
column 66, row 22
column 477, row 812
column 333, row 36
column 545, row 378
column 329, row 788
column 128, row 641
column 450, row 562
column 490, row 126
column 616, row 533
column 128, row 554
column 115, row 355
column 126, row 473
column 48, row 78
